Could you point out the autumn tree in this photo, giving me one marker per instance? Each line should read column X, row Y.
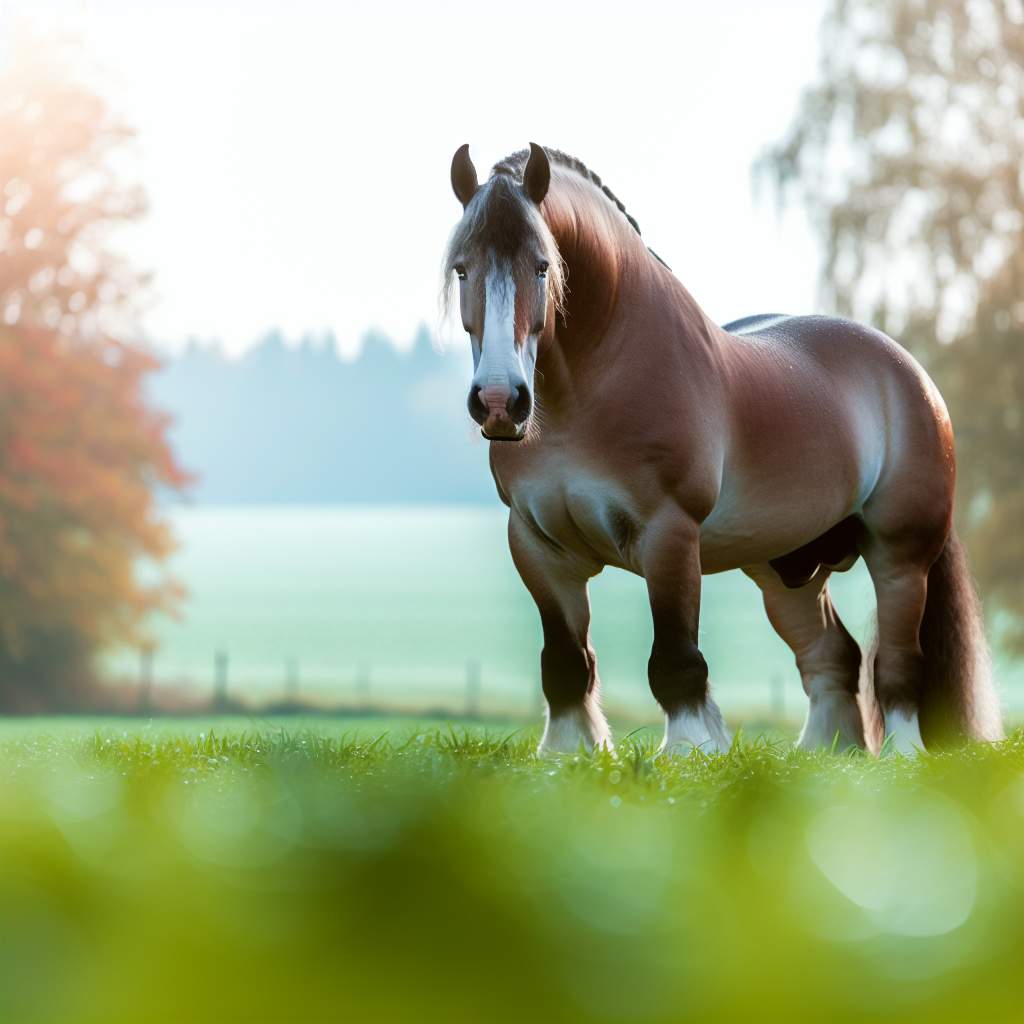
column 909, row 154
column 82, row 456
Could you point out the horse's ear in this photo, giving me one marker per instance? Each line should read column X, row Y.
column 537, row 176
column 463, row 175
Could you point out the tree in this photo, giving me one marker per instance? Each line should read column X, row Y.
column 909, row 155
column 82, row 456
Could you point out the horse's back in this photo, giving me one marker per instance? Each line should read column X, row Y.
column 834, row 336
column 805, row 360
column 851, row 352
column 826, row 413
column 756, row 323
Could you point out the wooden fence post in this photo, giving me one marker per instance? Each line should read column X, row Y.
column 473, row 689
column 220, row 680
column 146, row 679
column 363, row 678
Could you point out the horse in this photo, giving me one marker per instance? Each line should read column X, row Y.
column 627, row 429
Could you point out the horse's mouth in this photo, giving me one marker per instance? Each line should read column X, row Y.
column 502, row 437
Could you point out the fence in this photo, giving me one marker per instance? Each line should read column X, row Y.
column 467, row 693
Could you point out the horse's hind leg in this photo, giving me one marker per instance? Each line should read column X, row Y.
column 826, row 655
column 906, row 525
column 900, row 578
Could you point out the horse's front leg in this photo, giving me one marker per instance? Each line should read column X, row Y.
column 677, row 670
column 558, row 583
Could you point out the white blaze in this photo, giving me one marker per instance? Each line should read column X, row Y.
column 499, row 361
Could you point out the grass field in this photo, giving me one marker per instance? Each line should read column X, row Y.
column 182, row 873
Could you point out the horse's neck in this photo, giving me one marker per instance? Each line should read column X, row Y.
column 598, row 248
column 617, row 293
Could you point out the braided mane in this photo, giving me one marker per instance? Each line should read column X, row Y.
column 515, row 163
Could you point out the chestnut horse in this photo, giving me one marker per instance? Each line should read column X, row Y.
column 629, row 430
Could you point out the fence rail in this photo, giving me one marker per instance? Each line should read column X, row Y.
column 367, row 689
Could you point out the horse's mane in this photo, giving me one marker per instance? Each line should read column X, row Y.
column 515, row 163
column 509, row 171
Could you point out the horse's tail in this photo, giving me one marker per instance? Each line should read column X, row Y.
column 959, row 701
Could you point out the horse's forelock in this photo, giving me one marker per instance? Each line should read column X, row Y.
column 497, row 225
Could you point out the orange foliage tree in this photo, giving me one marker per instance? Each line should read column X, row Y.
column 82, row 456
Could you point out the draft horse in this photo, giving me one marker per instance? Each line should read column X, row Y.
column 629, row 430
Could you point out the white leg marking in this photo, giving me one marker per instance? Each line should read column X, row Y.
column 700, row 727
column 832, row 712
column 904, row 731
column 566, row 732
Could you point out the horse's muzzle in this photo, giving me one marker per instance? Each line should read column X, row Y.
column 502, row 412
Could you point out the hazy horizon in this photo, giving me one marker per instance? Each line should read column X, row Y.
column 269, row 131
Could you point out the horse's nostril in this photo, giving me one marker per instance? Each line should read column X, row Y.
column 520, row 404
column 477, row 408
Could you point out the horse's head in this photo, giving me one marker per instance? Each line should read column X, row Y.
column 510, row 283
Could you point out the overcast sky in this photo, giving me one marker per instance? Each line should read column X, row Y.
column 296, row 153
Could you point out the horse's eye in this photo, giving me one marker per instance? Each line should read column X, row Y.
column 460, row 271
column 542, row 269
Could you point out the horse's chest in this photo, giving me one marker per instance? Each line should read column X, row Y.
column 579, row 512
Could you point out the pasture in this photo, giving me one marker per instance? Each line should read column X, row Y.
column 390, row 605
column 227, row 870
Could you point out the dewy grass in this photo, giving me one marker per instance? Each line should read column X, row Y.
column 278, row 875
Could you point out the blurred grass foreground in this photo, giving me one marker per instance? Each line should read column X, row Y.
column 155, row 875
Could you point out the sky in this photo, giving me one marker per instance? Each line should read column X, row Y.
column 296, row 154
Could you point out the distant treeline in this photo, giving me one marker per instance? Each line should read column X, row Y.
column 297, row 423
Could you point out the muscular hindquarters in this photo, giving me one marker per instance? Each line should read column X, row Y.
column 829, row 420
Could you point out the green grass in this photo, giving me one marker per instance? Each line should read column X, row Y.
column 153, row 873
